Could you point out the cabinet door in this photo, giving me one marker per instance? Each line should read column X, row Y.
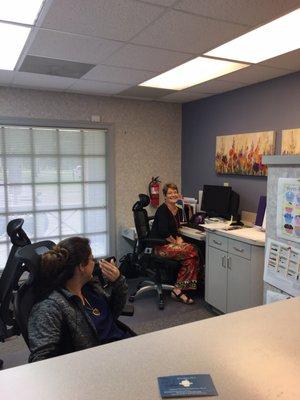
column 238, row 287
column 215, row 293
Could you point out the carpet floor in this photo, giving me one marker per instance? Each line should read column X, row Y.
column 147, row 318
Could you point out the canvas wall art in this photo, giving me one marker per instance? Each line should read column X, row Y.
column 290, row 143
column 241, row 154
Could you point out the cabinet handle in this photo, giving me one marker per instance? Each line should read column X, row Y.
column 237, row 249
column 228, row 262
column 216, row 242
column 224, row 263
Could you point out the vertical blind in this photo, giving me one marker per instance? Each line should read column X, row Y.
column 55, row 179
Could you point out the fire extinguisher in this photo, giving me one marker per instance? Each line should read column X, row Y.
column 154, row 191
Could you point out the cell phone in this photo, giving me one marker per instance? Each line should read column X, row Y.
column 109, row 259
column 98, row 273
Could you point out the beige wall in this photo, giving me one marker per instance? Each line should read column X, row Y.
column 147, row 137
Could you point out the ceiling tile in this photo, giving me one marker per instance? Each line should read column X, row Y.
column 36, row 81
column 289, row 61
column 146, row 58
column 188, row 33
column 68, row 46
column 216, row 86
column 6, row 77
column 145, row 92
column 110, row 19
column 184, row 97
column 94, row 87
column 106, row 73
column 246, row 12
column 256, row 73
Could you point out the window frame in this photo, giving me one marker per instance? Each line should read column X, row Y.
column 110, row 161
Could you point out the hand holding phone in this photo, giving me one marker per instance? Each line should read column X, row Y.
column 109, row 270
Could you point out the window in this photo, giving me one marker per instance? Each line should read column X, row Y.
column 56, row 180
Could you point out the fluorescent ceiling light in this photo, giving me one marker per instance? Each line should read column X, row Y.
column 268, row 41
column 22, row 11
column 12, row 41
column 198, row 70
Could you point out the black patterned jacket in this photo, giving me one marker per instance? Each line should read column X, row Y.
column 58, row 324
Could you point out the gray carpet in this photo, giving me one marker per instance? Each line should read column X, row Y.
column 147, row 318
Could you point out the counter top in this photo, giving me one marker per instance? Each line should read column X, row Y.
column 247, row 235
column 251, row 355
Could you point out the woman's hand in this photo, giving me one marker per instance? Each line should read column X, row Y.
column 170, row 239
column 179, row 240
column 109, row 270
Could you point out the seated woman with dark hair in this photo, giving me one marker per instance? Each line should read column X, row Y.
column 74, row 312
column 165, row 226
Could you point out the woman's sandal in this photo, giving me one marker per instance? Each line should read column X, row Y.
column 182, row 297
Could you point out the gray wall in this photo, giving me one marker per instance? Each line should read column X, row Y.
column 147, row 138
column 271, row 105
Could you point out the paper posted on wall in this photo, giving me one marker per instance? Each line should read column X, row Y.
column 288, row 209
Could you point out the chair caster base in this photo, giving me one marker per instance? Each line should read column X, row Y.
column 161, row 306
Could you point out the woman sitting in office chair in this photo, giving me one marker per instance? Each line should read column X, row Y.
column 165, row 226
column 74, row 311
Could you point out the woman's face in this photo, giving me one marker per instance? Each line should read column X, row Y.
column 89, row 267
column 172, row 196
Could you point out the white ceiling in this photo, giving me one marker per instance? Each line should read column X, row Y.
column 131, row 41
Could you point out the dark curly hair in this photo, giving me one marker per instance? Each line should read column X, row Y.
column 58, row 265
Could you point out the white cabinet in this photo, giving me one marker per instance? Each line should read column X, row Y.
column 234, row 273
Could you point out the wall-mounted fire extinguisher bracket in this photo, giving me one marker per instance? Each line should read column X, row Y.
column 154, row 191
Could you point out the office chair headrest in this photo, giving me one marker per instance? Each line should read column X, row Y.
column 143, row 202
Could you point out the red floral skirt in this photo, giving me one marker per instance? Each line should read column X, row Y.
column 188, row 255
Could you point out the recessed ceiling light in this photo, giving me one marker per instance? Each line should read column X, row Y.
column 277, row 37
column 12, row 41
column 22, row 11
column 198, row 70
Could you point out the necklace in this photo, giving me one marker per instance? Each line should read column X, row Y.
column 95, row 311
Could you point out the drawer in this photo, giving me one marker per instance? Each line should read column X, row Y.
column 217, row 241
column 239, row 248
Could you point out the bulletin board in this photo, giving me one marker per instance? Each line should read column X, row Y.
column 288, row 209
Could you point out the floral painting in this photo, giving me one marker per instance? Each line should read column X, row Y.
column 290, row 143
column 242, row 153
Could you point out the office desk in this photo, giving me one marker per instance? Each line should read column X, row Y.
column 251, row 355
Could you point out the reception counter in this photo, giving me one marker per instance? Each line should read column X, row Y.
column 252, row 354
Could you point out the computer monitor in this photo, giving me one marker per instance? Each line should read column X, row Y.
column 216, row 201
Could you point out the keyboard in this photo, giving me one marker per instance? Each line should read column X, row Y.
column 194, row 226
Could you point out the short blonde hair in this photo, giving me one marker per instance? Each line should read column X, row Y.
column 169, row 186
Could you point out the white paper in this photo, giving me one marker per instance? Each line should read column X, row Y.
column 272, row 296
column 288, row 209
column 282, row 267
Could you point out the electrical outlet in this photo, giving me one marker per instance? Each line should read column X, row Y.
column 96, row 118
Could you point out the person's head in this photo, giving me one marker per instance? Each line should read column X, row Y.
column 70, row 257
column 170, row 191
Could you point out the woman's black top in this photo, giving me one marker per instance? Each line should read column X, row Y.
column 104, row 323
column 165, row 224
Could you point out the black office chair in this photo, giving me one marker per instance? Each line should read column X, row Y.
column 159, row 269
column 9, row 281
column 11, row 274
column 25, row 297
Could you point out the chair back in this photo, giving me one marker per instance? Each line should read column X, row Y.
column 10, row 277
column 25, row 297
column 141, row 220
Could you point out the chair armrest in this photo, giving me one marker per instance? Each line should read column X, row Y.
column 128, row 310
